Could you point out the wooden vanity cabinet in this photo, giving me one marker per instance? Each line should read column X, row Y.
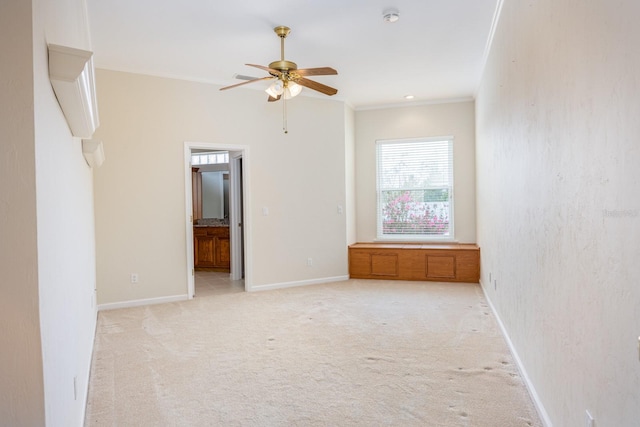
column 211, row 248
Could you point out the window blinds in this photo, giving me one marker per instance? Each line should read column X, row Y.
column 415, row 188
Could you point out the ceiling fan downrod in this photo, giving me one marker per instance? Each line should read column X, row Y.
column 283, row 65
column 282, row 32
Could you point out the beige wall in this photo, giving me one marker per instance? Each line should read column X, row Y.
column 140, row 189
column 21, row 380
column 558, row 208
column 47, row 257
column 451, row 119
column 350, row 175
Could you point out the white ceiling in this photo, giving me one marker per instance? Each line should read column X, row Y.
column 435, row 51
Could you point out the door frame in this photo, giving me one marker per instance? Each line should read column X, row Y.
column 236, row 213
column 237, row 239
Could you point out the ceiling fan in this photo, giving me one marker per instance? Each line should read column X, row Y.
column 288, row 79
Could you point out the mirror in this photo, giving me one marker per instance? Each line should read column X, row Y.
column 215, row 194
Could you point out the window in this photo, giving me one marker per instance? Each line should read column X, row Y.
column 211, row 158
column 415, row 189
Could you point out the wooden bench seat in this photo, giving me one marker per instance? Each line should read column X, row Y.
column 407, row 261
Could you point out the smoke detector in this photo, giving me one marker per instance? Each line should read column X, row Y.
column 390, row 16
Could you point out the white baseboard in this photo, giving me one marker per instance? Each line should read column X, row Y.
column 139, row 302
column 90, row 362
column 542, row 412
column 298, row 283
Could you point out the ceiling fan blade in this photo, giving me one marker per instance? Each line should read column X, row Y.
column 272, row 99
column 327, row 90
column 267, row 69
column 243, row 77
column 322, row 71
column 245, row 83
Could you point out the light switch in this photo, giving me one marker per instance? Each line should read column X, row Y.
column 265, row 211
column 340, row 209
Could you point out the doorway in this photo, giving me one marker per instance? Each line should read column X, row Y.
column 238, row 225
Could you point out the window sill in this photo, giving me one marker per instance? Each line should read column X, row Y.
column 417, row 240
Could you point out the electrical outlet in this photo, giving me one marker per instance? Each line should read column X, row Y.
column 588, row 420
column 135, row 278
column 309, row 262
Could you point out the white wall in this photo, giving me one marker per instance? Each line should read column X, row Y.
column 21, row 380
column 66, row 239
column 558, row 208
column 456, row 119
column 299, row 177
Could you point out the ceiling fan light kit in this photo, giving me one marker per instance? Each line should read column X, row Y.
column 291, row 89
column 275, row 89
column 288, row 79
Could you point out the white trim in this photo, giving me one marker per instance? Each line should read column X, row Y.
column 407, row 239
column 139, row 302
column 235, row 214
column 299, row 283
column 246, row 221
column 90, row 361
column 489, row 44
column 188, row 196
column 542, row 412
column 408, row 104
column 417, row 139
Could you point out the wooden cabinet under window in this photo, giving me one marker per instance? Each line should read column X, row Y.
column 211, row 248
column 397, row 261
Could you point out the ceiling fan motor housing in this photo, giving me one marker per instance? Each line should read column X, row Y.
column 283, row 66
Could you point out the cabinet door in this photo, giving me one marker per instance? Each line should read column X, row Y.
column 222, row 255
column 204, row 251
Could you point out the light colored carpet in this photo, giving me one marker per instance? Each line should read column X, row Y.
column 353, row 353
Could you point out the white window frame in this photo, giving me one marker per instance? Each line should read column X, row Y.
column 426, row 238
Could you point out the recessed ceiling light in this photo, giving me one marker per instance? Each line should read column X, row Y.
column 409, row 97
column 391, row 16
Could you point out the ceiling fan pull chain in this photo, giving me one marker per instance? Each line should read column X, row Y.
column 284, row 114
